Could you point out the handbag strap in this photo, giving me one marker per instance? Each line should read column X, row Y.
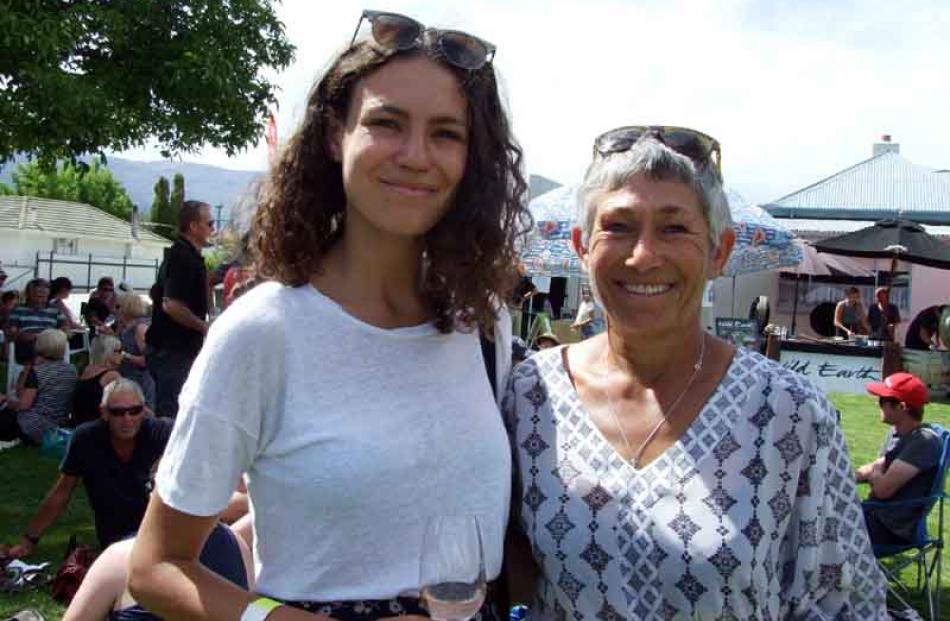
column 488, row 357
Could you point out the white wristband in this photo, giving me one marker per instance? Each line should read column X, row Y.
column 258, row 609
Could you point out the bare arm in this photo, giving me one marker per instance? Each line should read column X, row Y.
column 180, row 313
column 166, row 577
column 839, row 312
column 863, row 473
column 25, row 399
column 102, row 586
column 886, row 484
column 49, row 511
column 139, row 361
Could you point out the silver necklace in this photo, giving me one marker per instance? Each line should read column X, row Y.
column 663, row 417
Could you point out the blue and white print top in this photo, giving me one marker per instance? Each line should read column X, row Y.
column 752, row 514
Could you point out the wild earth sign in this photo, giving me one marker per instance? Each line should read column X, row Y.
column 833, row 373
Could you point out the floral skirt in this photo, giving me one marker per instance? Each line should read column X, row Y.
column 369, row 610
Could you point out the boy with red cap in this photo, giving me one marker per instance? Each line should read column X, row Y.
column 907, row 463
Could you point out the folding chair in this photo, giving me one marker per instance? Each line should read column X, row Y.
column 13, row 368
column 926, row 549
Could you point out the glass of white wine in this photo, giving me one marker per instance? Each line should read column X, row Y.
column 452, row 568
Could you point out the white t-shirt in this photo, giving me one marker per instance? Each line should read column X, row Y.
column 351, row 437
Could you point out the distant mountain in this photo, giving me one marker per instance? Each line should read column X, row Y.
column 539, row 185
column 214, row 185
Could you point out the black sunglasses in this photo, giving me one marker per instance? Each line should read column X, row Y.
column 891, row 401
column 395, row 32
column 133, row 410
column 697, row 146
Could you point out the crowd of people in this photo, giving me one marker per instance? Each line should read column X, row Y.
column 365, row 389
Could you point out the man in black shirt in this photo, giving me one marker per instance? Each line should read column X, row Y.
column 883, row 316
column 116, row 458
column 922, row 330
column 179, row 307
column 908, row 460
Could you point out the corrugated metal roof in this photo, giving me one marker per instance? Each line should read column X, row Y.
column 67, row 219
column 884, row 186
column 813, row 229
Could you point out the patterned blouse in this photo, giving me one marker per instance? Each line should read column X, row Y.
column 751, row 514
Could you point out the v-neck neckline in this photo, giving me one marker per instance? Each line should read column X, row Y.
column 675, row 451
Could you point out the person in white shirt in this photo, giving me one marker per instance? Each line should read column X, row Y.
column 353, row 389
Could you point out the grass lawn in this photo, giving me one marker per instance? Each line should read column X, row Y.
column 25, row 478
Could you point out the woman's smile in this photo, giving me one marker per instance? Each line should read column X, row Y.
column 647, row 289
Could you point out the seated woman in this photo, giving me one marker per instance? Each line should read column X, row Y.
column 43, row 402
column 134, row 319
column 104, row 595
column 105, row 355
column 661, row 472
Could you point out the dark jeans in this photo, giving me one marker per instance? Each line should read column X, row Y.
column 878, row 533
column 169, row 368
column 9, row 427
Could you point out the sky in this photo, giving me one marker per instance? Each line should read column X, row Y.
column 794, row 90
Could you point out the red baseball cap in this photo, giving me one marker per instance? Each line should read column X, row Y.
column 902, row 386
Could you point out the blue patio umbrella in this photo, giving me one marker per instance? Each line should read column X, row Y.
column 762, row 244
column 548, row 251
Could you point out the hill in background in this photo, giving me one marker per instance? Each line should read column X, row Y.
column 212, row 184
column 215, row 185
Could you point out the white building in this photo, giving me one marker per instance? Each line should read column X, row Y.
column 52, row 238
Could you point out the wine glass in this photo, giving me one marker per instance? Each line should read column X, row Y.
column 452, row 568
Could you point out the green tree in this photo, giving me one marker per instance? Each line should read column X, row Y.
column 81, row 77
column 160, row 206
column 93, row 185
column 178, row 197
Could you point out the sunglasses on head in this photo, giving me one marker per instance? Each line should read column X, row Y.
column 395, row 32
column 697, row 146
column 133, row 410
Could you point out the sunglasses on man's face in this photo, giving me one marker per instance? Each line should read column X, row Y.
column 395, row 32
column 697, row 146
column 133, row 410
column 888, row 401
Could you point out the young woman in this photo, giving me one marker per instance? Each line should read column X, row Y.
column 353, row 390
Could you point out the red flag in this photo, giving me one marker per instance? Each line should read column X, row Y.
column 271, row 137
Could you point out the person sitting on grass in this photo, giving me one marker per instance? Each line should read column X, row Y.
column 104, row 594
column 42, row 397
column 908, row 460
column 115, row 457
column 105, row 356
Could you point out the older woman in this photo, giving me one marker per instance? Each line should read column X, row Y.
column 43, row 401
column 663, row 474
column 134, row 317
column 105, row 355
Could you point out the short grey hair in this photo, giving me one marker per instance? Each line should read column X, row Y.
column 660, row 163
column 51, row 344
column 123, row 384
column 101, row 347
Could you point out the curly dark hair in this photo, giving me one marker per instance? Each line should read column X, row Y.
column 470, row 257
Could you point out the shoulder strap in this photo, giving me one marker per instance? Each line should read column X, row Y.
column 488, row 356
